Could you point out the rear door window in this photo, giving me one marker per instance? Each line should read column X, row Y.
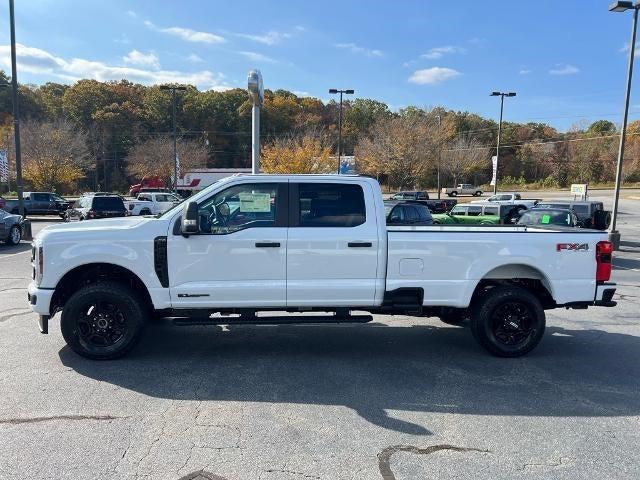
column 491, row 210
column 474, row 211
column 330, row 205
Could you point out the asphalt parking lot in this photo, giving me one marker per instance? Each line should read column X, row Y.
column 399, row 398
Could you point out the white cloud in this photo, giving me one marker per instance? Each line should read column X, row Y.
column 272, row 37
column 193, row 58
column 301, row 93
column 524, row 71
column 35, row 60
column 258, row 57
column 187, row 34
column 625, row 49
column 135, row 57
column 353, row 48
column 132, row 14
column 433, row 76
column 564, row 70
column 439, row 52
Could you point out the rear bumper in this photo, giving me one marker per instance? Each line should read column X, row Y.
column 603, row 298
column 604, row 295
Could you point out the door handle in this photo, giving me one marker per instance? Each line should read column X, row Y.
column 359, row 244
column 267, row 244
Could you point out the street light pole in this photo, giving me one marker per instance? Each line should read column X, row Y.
column 501, row 95
column 16, row 109
column 173, row 89
column 348, row 92
column 439, row 151
column 614, row 235
column 255, row 87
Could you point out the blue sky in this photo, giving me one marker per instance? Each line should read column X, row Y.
column 565, row 59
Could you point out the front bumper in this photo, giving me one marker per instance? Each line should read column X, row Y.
column 40, row 301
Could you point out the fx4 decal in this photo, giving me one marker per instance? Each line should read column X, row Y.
column 572, row 246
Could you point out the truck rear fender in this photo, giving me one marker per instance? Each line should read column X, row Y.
column 527, row 276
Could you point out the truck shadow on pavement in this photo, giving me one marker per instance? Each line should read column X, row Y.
column 375, row 368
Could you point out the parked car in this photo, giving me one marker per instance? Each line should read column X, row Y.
column 511, row 199
column 561, row 217
column 435, row 205
column 11, row 227
column 407, row 213
column 411, row 195
column 478, row 214
column 463, row 189
column 304, row 243
column 590, row 213
column 152, row 203
column 94, row 206
column 39, row 203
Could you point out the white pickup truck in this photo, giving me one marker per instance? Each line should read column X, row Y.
column 152, row 203
column 462, row 189
column 252, row 244
column 511, row 199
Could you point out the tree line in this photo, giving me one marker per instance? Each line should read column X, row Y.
column 106, row 135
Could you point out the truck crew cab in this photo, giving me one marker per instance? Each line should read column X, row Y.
column 307, row 243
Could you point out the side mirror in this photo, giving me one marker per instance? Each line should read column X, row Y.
column 190, row 224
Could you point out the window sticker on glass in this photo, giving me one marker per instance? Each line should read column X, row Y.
column 545, row 219
column 255, row 202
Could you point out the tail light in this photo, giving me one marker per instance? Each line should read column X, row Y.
column 91, row 214
column 604, row 251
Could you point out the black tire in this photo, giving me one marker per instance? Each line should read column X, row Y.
column 454, row 316
column 601, row 220
column 477, row 194
column 453, row 194
column 103, row 321
column 508, row 321
column 15, row 235
column 146, row 211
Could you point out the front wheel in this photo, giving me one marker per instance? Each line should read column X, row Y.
column 453, row 194
column 477, row 194
column 508, row 321
column 103, row 321
column 15, row 235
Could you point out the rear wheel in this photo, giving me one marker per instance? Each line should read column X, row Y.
column 477, row 194
column 454, row 194
column 15, row 235
column 508, row 321
column 103, row 321
column 601, row 220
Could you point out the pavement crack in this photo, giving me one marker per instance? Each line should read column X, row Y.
column 384, row 457
column 18, row 421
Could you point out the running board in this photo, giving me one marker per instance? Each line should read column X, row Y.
column 285, row 320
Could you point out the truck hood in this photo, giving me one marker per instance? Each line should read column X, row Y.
column 99, row 225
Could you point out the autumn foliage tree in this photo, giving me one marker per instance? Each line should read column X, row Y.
column 308, row 152
column 54, row 154
column 154, row 156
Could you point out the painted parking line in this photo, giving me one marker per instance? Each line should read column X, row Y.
column 14, row 254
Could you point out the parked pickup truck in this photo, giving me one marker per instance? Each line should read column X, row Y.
column 462, row 189
column 511, row 199
column 307, row 243
column 39, row 203
column 152, row 203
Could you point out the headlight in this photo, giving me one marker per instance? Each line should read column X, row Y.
column 37, row 263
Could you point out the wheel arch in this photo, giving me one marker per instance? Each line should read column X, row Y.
column 517, row 274
column 92, row 273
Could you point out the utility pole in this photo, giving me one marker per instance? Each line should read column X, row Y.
column 501, row 95
column 255, row 87
column 16, row 109
column 173, row 89
column 348, row 92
